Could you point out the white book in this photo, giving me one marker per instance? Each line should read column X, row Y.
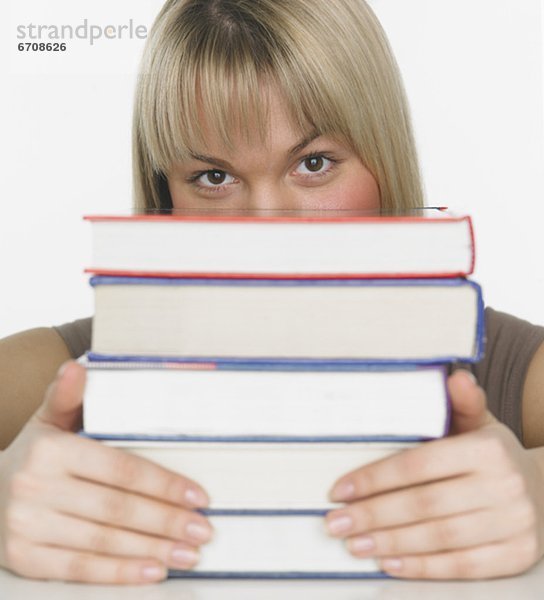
column 434, row 320
column 425, row 242
column 276, row 546
column 263, row 475
column 229, row 401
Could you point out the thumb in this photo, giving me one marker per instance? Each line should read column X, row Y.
column 63, row 399
column 468, row 403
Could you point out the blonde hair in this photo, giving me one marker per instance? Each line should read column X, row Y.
column 330, row 60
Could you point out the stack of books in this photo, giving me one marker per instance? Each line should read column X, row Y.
column 265, row 357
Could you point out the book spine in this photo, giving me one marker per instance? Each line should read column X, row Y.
column 191, row 574
column 472, row 246
column 226, row 364
column 284, row 281
column 266, row 362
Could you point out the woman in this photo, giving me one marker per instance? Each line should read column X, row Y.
column 273, row 104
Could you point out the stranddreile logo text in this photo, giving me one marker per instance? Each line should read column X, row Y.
column 83, row 31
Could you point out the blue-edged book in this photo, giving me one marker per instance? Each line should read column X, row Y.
column 268, row 540
column 276, row 545
column 267, row 442
column 264, row 438
column 264, row 475
column 250, row 402
column 285, row 320
column 283, row 487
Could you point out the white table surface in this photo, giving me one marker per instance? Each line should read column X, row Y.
column 528, row 586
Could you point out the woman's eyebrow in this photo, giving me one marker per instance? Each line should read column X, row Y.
column 224, row 164
column 212, row 160
column 304, row 142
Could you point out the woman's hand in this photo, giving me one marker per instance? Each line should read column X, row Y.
column 74, row 509
column 467, row 506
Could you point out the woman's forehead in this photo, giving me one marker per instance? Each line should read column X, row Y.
column 263, row 124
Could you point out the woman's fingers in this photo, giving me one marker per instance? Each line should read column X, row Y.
column 95, row 538
column 439, row 459
column 63, row 398
column 451, row 533
column 82, row 522
column 94, row 461
column 420, row 503
column 509, row 557
column 47, row 562
column 468, row 403
column 120, row 509
column 77, row 510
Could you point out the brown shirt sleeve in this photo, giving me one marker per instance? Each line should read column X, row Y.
column 76, row 336
column 510, row 346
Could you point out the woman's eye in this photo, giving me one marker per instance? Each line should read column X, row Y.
column 214, row 178
column 314, row 164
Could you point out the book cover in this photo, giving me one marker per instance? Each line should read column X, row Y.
column 285, row 320
column 276, row 545
column 262, row 474
column 309, row 244
column 248, row 401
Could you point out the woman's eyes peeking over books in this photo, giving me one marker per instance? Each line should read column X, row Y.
column 290, row 171
column 316, row 165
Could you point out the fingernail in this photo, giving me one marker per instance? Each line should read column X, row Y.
column 199, row 532
column 343, row 491
column 196, row 497
column 184, row 556
column 154, row 573
column 391, row 564
column 472, row 377
column 62, row 369
column 340, row 525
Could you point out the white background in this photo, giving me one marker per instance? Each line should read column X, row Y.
column 473, row 70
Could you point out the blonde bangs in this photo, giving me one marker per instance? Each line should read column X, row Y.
column 211, row 63
column 199, row 93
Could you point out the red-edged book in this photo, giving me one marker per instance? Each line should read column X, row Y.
column 427, row 242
